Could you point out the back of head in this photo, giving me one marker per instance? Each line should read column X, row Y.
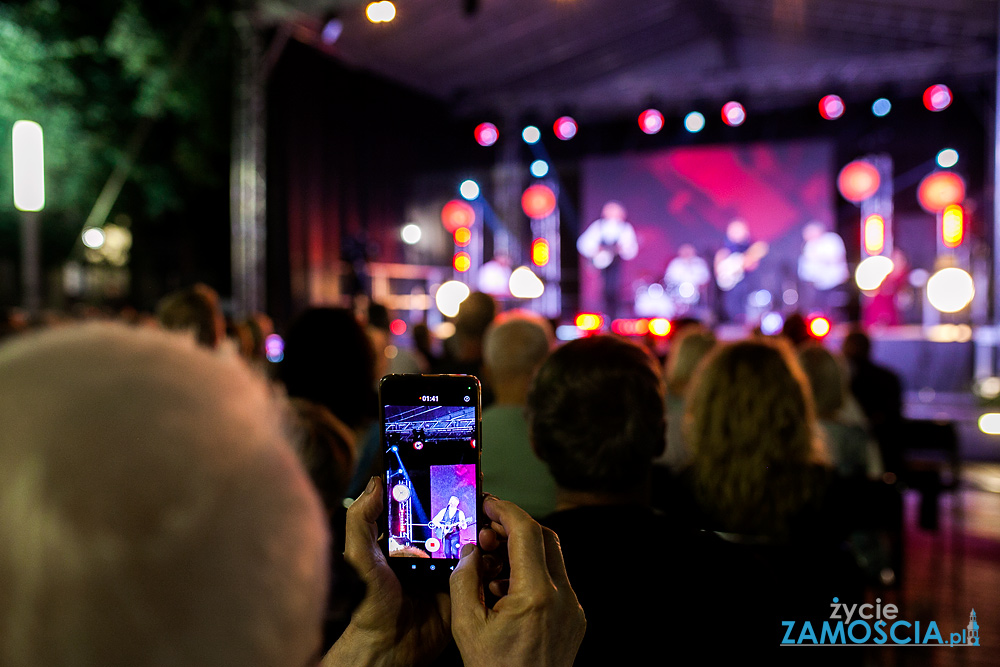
column 596, row 414
column 857, row 347
column 474, row 315
column 687, row 351
column 329, row 360
column 152, row 511
column 826, row 379
column 515, row 346
column 194, row 309
column 751, row 428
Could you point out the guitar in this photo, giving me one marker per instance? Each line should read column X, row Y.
column 731, row 268
column 442, row 531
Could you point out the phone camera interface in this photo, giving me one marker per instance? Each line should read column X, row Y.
column 430, row 461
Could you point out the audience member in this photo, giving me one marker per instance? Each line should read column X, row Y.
column 880, row 393
column 513, row 349
column 464, row 350
column 686, row 351
column 196, row 310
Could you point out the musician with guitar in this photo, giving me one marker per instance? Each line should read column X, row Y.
column 447, row 525
column 607, row 242
column 733, row 262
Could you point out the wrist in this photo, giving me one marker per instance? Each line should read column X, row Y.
column 359, row 647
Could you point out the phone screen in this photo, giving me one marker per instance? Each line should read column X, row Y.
column 431, row 447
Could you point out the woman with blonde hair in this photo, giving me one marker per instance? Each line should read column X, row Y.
column 752, row 429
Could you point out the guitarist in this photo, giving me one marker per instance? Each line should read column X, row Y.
column 447, row 524
column 607, row 242
column 737, row 258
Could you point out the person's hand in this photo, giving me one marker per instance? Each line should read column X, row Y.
column 388, row 627
column 537, row 621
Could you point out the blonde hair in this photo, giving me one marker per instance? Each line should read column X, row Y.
column 687, row 351
column 152, row 510
column 752, row 430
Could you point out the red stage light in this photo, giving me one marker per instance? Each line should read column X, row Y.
column 538, row 201
column 462, row 237
column 831, row 107
column 659, row 326
column 937, row 97
column 462, row 262
column 819, row 327
column 952, row 226
column 858, row 181
column 564, row 128
column 733, row 114
column 589, row 321
column 874, row 234
column 539, row 252
column 627, row 327
column 486, row 134
column 457, row 213
column 939, row 190
column 651, row 121
column 398, row 327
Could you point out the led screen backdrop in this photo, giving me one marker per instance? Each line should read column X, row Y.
column 690, row 194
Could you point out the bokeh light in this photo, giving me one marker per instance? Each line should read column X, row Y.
column 462, row 236
column 524, row 284
column 939, row 190
column 733, row 114
column 831, row 107
column 540, row 252
column 858, row 180
column 462, row 262
column 450, row 296
column 457, row 213
column 539, row 168
column 947, row 158
column 469, row 189
column 398, row 327
column 531, row 134
column 564, row 128
column 538, row 201
column 874, row 234
column 950, row 290
column 872, row 271
column 937, row 97
column 589, row 321
column 694, row 122
column 486, row 134
column 380, row 12
column 881, row 107
column 651, row 121
column 93, row 237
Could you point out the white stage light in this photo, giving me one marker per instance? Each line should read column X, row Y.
column 524, row 284
column 950, row 290
column 872, row 271
column 450, row 296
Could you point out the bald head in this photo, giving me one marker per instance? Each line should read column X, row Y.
column 513, row 349
column 151, row 508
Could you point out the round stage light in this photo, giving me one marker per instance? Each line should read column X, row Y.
column 694, row 122
column 771, row 323
column 564, row 128
column 380, row 12
column 540, row 252
column 952, row 226
column 940, row 190
column 937, row 97
column 659, row 326
column 990, row 423
column 538, row 201
column 410, row 234
column 274, row 348
column 93, row 237
column 462, row 261
column 988, row 388
column 858, row 181
column 539, row 168
column 486, row 134
column 651, row 121
column 881, row 107
column 950, row 290
column 819, row 327
column 531, row 134
column 462, row 236
column 524, row 284
column 469, row 189
column 589, row 321
column 398, row 327
column 947, row 158
column 872, row 271
column 450, row 296
column 457, row 213
column 401, row 493
column 733, row 114
column 831, row 107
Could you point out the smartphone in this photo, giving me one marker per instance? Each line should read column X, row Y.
column 431, row 448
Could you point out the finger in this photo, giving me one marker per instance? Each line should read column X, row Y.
column 489, row 540
column 525, row 546
column 554, row 559
column 467, row 602
column 361, row 548
column 500, row 587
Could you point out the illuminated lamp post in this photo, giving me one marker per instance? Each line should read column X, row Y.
column 951, row 288
column 868, row 183
column 540, row 203
column 459, row 217
column 29, row 198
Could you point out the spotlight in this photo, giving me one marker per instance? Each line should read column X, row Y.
column 450, row 296
column 937, row 97
column 274, row 348
column 872, row 271
column 380, row 12
column 410, row 234
column 589, row 321
column 524, row 284
column 469, row 189
column 950, row 290
column 694, row 122
column 398, row 327
column 651, row 121
column 462, row 261
column 486, row 134
column 819, row 327
column 564, row 128
column 93, row 237
column 881, row 107
column 531, row 134
column 831, row 107
column 947, row 158
column 539, row 168
column 331, row 31
column 733, row 114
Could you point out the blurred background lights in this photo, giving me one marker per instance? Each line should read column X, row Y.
column 659, row 326
column 589, row 321
column 457, row 213
column 831, row 107
column 564, row 128
column 540, row 252
column 651, row 121
column 409, row 233
column 881, row 107
column 332, row 31
column 990, row 423
column 381, row 12
column 531, row 134
column 398, row 327
column 469, row 189
column 952, row 226
column 524, row 284
column 486, row 134
column 988, row 388
column 874, row 234
column 937, row 97
column 819, row 326
column 93, row 237
column 29, row 166
column 771, row 324
column 462, row 262
column 463, row 236
column 947, row 158
column 733, row 114
column 950, row 290
column 694, row 122
column 539, row 168
column 858, row 181
column 872, row 271
column 274, row 348
column 939, row 190
column 450, row 296
column 538, row 201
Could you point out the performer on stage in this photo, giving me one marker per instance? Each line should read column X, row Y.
column 733, row 262
column 686, row 276
column 822, row 269
column 447, row 524
column 607, row 242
